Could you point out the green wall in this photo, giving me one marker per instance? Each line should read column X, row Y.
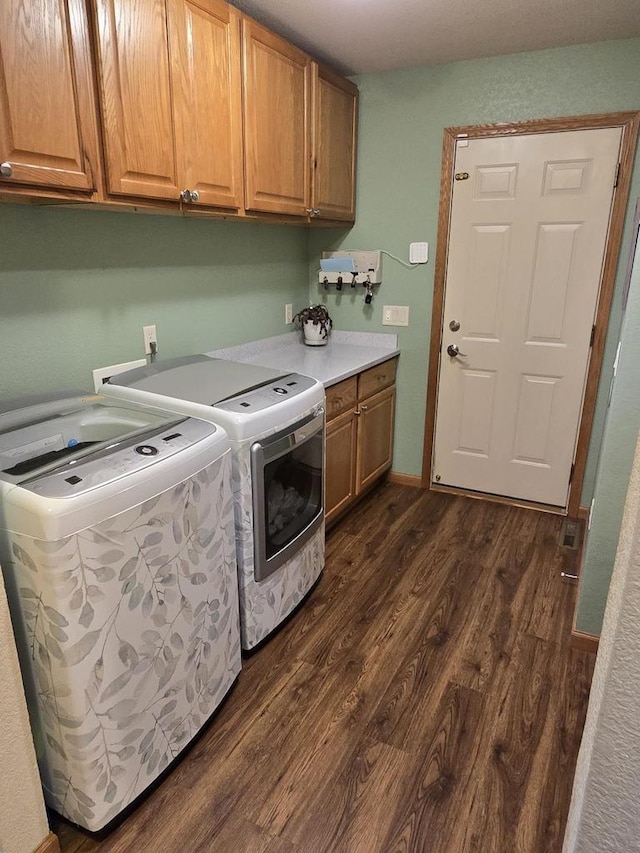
column 614, row 468
column 402, row 116
column 77, row 286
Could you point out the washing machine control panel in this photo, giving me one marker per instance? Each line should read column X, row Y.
column 258, row 399
column 119, row 459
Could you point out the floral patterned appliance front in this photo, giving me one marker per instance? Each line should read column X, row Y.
column 117, row 548
column 275, row 423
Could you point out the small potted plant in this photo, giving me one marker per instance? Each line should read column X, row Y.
column 316, row 325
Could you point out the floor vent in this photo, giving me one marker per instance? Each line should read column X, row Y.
column 570, row 533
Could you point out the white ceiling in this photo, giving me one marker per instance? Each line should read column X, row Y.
column 358, row 36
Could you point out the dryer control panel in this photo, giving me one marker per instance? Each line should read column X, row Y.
column 258, row 399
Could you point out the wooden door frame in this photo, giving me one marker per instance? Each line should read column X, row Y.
column 629, row 122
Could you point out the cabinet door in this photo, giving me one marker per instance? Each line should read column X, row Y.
column 205, row 57
column 375, row 437
column 340, row 478
column 135, row 84
column 47, row 118
column 277, row 79
column 335, row 111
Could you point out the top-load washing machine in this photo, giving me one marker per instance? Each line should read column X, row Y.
column 275, row 423
column 117, row 548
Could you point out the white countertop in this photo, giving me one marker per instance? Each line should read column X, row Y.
column 346, row 354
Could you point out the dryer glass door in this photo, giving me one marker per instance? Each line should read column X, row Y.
column 287, row 474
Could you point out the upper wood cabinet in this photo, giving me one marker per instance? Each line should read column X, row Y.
column 335, row 116
column 47, row 111
column 169, row 75
column 205, row 40
column 198, row 105
column 135, row 87
column 277, row 92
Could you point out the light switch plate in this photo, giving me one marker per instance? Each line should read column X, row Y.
column 395, row 315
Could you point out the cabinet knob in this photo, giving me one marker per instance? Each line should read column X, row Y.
column 315, row 211
column 309, row 211
column 195, row 195
column 6, row 170
column 185, row 195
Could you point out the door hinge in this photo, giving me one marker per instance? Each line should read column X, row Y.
column 573, row 468
column 593, row 336
column 617, row 178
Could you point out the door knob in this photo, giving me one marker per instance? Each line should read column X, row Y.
column 6, row 170
column 195, row 195
column 453, row 351
column 185, row 195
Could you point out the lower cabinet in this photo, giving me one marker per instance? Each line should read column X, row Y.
column 360, row 418
column 342, row 441
column 375, row 438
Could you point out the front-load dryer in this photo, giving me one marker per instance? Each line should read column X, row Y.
column 117, row 548
column 275, row 423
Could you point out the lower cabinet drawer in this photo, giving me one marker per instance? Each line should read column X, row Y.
column 376, row 378
column 341, row 396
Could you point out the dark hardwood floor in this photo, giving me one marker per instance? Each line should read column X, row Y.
column 424, row 699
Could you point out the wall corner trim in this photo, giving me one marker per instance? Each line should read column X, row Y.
column 414, row 480
column 584, row 642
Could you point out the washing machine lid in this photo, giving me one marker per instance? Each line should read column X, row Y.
column 197, row 378
column 40, row 436
column 246, row 400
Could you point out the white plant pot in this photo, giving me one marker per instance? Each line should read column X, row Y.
column 313, row 335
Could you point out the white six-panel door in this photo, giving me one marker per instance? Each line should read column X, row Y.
column 528, row 230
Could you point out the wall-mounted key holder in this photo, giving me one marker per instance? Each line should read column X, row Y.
column 349, row 269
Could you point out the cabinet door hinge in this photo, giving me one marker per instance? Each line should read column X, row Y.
column 617, row 178
column 593, row 336
column 573, row 468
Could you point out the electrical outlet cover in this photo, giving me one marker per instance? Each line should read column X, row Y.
column 418, row 253
column 103, row 374
column 149, row 336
